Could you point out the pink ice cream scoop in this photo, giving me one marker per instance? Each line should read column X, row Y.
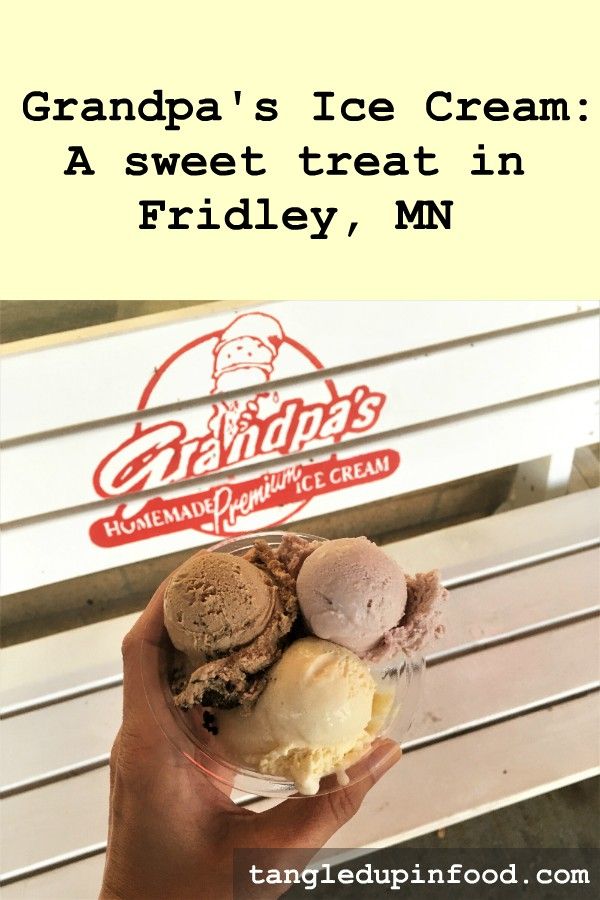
column 350, row 592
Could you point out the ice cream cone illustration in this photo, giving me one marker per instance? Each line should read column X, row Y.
column 244, row 354
column 246, row 351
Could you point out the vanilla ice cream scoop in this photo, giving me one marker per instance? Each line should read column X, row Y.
column 318, row 714
column 351, row 592
column 216, row 602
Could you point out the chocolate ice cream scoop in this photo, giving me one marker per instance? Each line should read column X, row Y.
column 215, row 603
column 231, row 617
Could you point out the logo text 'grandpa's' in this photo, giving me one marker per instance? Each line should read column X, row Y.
column 166, row 453
column 247, row 420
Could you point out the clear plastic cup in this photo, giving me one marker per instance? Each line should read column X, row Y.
column 186, row 730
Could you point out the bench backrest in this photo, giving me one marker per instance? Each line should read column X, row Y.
column 134, row 440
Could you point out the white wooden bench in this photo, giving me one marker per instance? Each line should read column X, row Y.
column 510, row 700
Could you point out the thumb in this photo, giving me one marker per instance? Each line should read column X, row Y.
column 310, row 822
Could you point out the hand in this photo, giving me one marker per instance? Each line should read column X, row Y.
column 172, row 828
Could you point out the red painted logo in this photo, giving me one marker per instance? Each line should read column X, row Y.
column 236, row 430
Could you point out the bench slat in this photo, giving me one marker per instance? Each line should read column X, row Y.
column 507, row 678
column 113, row 388
column 461, row 691
column 71, row 732
column 473, row 774
column 452, row 449
column 529, row 598
column 468, row 551
column 58, row 736
column 77, row 881
column 507, row 540
column 56, row 469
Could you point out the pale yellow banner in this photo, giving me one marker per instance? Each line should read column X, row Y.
column 516, row 236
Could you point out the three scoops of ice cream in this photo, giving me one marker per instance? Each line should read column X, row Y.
column 278, row 646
